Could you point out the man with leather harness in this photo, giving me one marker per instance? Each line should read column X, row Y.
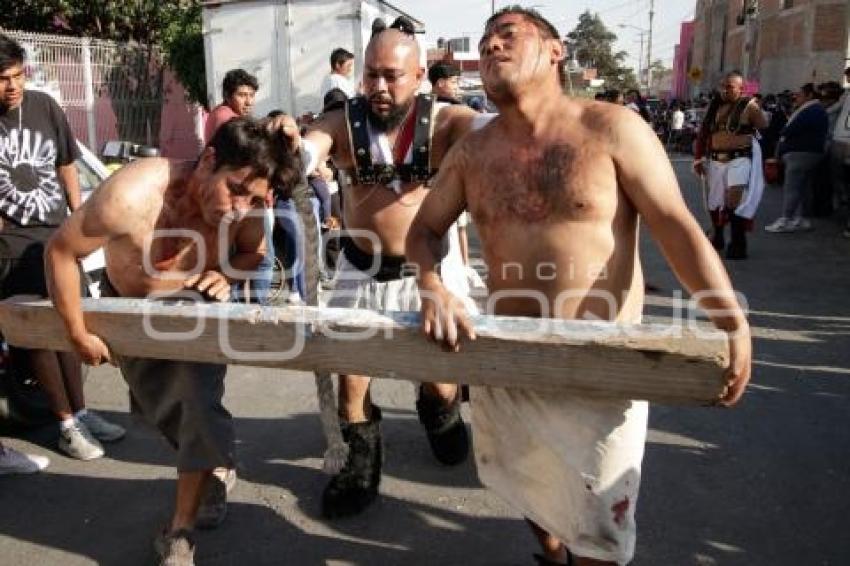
column 734, row 165
column 386, row 144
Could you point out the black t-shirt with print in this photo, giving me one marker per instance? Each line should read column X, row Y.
column 35, row 139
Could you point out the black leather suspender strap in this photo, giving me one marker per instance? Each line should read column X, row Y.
column 423, row 138
column 733, row 119
column 356, row 117
column 366, row 172
column 734, row 124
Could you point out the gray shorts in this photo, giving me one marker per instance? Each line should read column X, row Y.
column 183, row 401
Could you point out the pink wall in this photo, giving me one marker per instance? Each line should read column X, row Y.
column 177, row 134
column 681, row 84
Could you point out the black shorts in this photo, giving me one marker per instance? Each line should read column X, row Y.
column 23, row 276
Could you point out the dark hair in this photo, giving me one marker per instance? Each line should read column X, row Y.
column 847, row 71
column 11, row 52
column 403, row 24
column 442, row 71
column 275, row 113
column 809, row 90
column 334, row 99
column 544, row 26
column 612, row 95
column 248, row 142
column 830, row 90
column 340, row 56
column 236, row 78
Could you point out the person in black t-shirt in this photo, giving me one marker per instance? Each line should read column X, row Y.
column 38, row 183
column 444, row 82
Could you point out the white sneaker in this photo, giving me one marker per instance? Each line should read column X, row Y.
column 14, row 462
column 77, row 442
column 803, row 224
column 294, row 299
column 781, row 225
column 100, row 428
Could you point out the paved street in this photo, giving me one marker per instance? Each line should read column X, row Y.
column 767, row 483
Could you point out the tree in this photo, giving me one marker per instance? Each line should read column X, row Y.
column 183, row 44
column 172, row 25
column 594, row 45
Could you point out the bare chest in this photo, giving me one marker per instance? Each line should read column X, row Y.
column 543, row 184
column 168, row 243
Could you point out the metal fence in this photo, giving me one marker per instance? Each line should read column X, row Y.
column 109, row 90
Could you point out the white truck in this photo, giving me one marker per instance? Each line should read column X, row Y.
column 287, row 45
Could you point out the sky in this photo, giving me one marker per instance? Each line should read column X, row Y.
column 454, row 18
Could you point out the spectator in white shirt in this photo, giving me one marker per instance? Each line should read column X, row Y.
column 342, row 66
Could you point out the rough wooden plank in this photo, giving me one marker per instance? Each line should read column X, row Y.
column 591, row 359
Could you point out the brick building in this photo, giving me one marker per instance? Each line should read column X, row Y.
column 786, row 44
column 682, row 62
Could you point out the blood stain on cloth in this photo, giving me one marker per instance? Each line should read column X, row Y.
column 620, row 508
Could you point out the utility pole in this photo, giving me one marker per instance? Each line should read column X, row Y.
column 750, row 12
column 649, row 48
column 640, row 60
column 492, row 7
column 847, row 56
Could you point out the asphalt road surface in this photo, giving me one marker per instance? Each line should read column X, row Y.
column 766, row 483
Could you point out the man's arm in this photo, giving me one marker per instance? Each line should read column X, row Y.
column 103, row 217
column 70, row 180
column 442, row 313
column 755, row 116
column 647, row 178
column 317, row 144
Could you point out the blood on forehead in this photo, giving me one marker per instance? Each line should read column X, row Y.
column 508, row 20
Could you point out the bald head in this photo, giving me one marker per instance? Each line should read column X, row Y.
column 390, row 40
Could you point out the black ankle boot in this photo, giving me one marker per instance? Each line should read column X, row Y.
column 444, row 427
column 355, row 487
column 738, row 246
column 717, row 239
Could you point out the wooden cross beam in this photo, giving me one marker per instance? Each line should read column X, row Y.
column 657, row 363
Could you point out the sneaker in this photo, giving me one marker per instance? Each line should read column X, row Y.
column 213, row 508
column 444, row 427
column 782, row 225
column 100, row 428
column 77, row 442
column 803, row 224
column 294, row 299
column 14, row 462
column 355, row 487
column 175, row 548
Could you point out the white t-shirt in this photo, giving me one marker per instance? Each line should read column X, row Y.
column 677, row 121
column 333, row 81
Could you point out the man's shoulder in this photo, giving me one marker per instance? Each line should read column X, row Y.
column 38, row 97
column 40, row 103
column 142, row 179
column 329, row 122
column 598, row 114
column 446, row 111
column 223, row 112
